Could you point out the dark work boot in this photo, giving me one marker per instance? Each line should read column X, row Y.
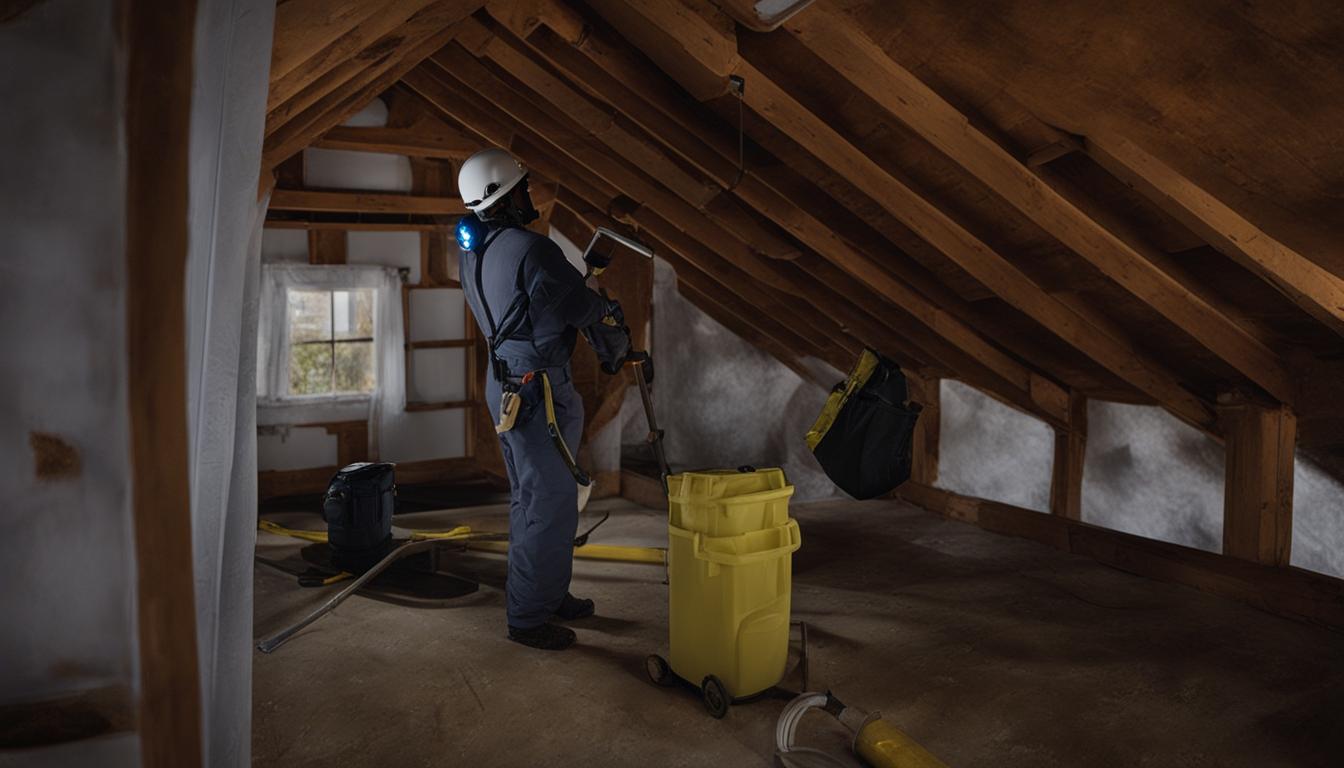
column 572, row 608
column 546, row 637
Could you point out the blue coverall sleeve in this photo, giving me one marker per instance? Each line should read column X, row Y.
column 556, row 289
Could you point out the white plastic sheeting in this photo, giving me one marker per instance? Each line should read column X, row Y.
column 1150, row 474
column 1318, row 519
column 992, row 451
column 232, row 55
column 722, row 401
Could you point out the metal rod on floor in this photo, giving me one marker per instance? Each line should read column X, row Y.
column 278, row 639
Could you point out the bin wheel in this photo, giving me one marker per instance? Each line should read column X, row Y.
column 659, row 672
column 715, row 696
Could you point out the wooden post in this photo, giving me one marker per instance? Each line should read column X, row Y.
column 1066, row 483
column 926, row 392
column 326, row 246
column 1258, row 494
column 160, row 43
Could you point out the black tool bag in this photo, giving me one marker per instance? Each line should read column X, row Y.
column 358, row 509
column 864, row 435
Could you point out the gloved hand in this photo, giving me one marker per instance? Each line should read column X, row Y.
column 610, row 339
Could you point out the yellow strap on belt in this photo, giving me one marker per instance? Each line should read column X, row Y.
column 863, row 369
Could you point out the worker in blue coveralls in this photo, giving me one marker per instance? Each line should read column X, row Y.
column 531, row 304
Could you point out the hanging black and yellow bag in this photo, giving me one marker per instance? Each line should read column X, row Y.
column 863, row 437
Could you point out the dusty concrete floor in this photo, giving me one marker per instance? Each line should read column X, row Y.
column 990, row 651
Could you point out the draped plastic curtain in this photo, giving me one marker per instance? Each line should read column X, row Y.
column 232, row 58
column 387, row 405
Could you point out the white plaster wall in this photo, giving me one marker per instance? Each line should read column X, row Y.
column 438, row 375
column 284, row 245
column 67, row 562
column 437, row 314
column 429, row 435
column 1150, row 474
column 391, row 249
column 295, row 448
column 991, row 451
column 342, row 169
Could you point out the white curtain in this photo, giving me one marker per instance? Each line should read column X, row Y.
column 232, row 58
column 387, row 405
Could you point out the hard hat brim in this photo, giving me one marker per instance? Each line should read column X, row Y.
column 499, row 194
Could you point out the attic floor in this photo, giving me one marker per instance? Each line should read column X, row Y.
column 988, row 650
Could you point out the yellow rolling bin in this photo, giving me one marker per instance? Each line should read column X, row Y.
column 730, row 570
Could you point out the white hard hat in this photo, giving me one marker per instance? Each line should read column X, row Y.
column 487, row 176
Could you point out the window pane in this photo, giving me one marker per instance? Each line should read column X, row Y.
column 354, row 314
column 309, row 316
column 354, row 366
column 310, row 369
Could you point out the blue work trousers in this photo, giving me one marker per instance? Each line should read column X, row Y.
column 543, row 498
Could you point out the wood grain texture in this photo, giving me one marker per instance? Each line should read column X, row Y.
column 159, row 37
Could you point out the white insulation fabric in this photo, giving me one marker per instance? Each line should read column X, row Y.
column 233, row 52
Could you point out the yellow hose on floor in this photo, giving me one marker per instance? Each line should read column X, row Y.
column 644, row 555
column 619, row 554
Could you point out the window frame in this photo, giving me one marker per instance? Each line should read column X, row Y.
column 332, row 341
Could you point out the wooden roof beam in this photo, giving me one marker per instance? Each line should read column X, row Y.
column 614, row 130
column 935, row 227
column 284, row 139
column 455, row 62
column 305, row 27
column 421, row 141
column 1315, row 289
column 697, row 45
column 1038, row 396
column 838, row 41
column 588, row 67
column 567, row 101
column 973, row 255
column 313, row 201
column 306, row 49
column 440, row 92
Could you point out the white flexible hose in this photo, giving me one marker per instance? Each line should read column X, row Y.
column 787, row 725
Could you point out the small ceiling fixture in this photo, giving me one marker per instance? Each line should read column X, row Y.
column 765, row 15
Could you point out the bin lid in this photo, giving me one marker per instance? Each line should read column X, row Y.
column 715, row 484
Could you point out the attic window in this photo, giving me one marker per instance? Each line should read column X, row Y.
column 331, row 342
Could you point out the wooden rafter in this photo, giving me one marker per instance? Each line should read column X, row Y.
column 769, row 315
column 756, row 268
column 352, row 91
column 867, row 67
column 307, row 50
column 1315, row 289
column 604, row 68
column 414, row 142
column 1036, row 397
column 362, row 202
column 917, row 213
